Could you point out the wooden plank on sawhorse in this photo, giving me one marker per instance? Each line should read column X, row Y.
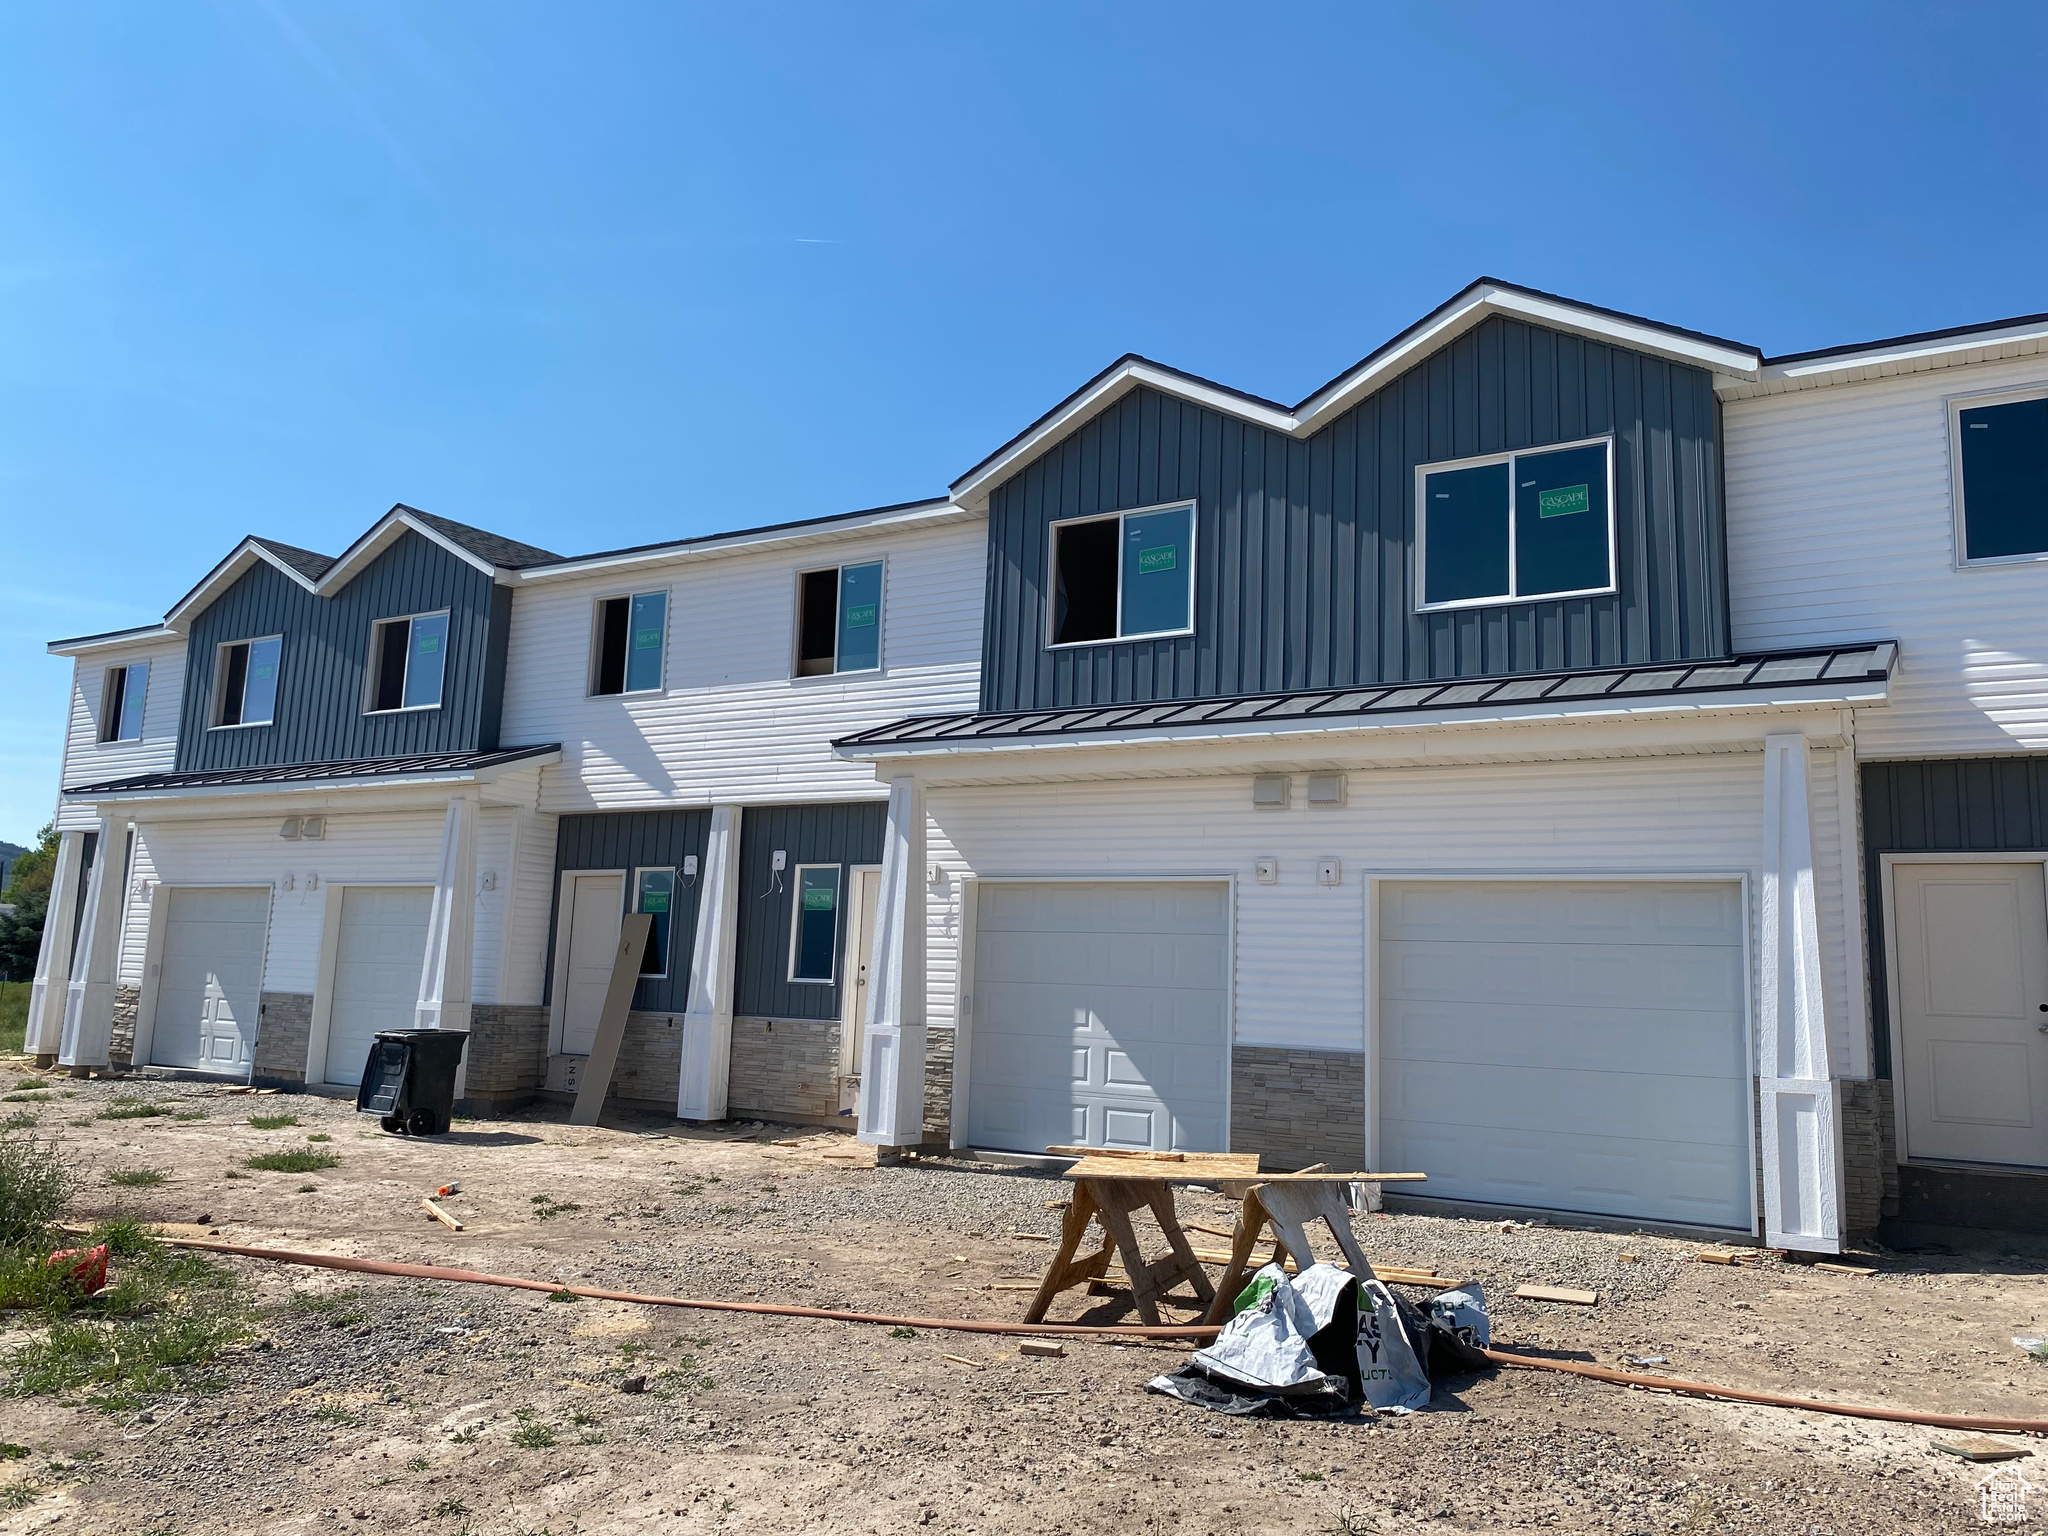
column 1288, row 1207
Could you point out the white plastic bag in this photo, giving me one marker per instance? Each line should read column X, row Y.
column 1389, row 1371
column 1463, row 1311
column 1266, row 1344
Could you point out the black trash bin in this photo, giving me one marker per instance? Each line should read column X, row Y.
column 410, row 1079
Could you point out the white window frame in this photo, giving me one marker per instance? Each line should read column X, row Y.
column 1052, row 574
column 796, row 896
column 1477, row 461
column 219, row 688
column 1959, row 519
column 110, row 720
column 633, row 906
column 596, row 653
column 370, row 678
column 796, row 621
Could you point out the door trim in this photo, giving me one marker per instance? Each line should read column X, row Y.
column 1895, row 1023
column 1375, row 878
column 330, row 950
column 849, row 1025
column 565, row 913
column 971, row 887
column 143, row 1047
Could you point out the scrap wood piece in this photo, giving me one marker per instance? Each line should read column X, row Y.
column 1725, row 1256
column 1050, row 1349
column 1558, row 1293
column 1846, row 1269
column 976, row 1365
column 1977, row 1448
column 441, row 1216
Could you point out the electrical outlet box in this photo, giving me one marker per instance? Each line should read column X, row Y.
column 690, row 866
column 779, row 859
column 1267, row 871
column 1329, row 871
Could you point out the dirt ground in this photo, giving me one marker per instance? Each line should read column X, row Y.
column 368, row 1404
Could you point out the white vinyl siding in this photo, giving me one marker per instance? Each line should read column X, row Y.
column 731, row 724
column 87, row 759
column 1840, row 527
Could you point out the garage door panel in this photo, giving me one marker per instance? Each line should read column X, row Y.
column 1575, row 1045
column 1633, row 975
column 1692, row 1043
column 1548, row 912
column 1100, row 1016
column 1643, row 1178
column 210, row 978
column 1609, row 1103
column 379, row 954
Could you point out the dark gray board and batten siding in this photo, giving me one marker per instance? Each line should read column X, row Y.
column 321, row 667
column 1941, row 805
column 630, row 840
column 1303, row 568
column 846, row 834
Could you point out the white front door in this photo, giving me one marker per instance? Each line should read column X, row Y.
column 597, row 903
column 1973, row 1010
column 378, row 957
column 210, row 981
column 1101, row 1016
column 1574, row 1046
column 867, row 896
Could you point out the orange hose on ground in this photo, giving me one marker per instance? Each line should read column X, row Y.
column 1184, row 1331
column 1774, row 1399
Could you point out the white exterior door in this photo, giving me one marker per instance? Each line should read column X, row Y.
column 597, row 903
column 1973, row 1010
column 867, row 899
column 378, row 957
column 1575, row 1046
column 1101, row 1016
column 210, row 984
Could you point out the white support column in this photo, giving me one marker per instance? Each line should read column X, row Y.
column 46, row 998
column 89, row 995
column 892, row 1066
column 707, row 1012
column 1799, row 1101
column 451, row 930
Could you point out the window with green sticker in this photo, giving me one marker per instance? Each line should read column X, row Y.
column 2001, row 477
column 1513, row 526
column 245, row 681
column 839, row 619
column 1123, row 576
column 629, row 644
column 654, row 892
column 814, row 928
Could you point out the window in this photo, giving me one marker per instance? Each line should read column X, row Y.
column 1513, row 526
column 1124, row 576
column 839, row 620
column 630, row 640
column 408, row 658
column 245, row 681
column 2000, row 455
column 814, row 934
column 121, row 702
column 654, row 892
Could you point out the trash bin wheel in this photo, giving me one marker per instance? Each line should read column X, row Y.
column 423, row 1123
column 393, row 1124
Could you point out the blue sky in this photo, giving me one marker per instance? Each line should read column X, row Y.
column 595, row 276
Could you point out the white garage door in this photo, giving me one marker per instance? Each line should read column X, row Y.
column 211, row 979
column 381, row 950
column 1100, row 1017
column 1573, row 1046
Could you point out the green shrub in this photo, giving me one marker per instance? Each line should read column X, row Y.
column 133, row 1111
column 34, row 1184
column 298, row 1160
column 136, row 1178
column 533, row 1436
column 273, row 1122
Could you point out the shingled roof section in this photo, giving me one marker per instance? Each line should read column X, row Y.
column 506, row 554
column 308, row 563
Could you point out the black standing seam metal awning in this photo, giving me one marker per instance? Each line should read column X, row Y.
column 303, row 773
column 1863, row 662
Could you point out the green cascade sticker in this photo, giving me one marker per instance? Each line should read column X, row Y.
column 860, row 616
column 1564, row 501
column 646, row 639
column 261, row 671
column 818, row 901
column 428, row 644
column 1164, row 558
column 652, row 902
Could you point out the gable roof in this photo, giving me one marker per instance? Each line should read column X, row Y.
column 1468, row 308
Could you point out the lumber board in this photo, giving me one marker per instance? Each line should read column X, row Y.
column 1188, row 1171
column 1134, row 1153
column 596, row 1081
column 1558, row 1293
